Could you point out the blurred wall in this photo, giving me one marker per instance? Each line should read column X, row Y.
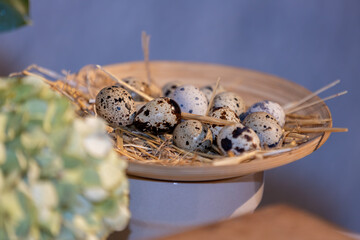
column 309, row 42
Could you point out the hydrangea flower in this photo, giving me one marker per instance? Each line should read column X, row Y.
column 59, row 175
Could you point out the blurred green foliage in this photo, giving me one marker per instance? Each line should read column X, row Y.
column 59, row 175
column 13, row 14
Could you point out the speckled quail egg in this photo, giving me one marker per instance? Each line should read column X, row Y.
column 190, row 99
column 116, row 106
column 192, row 135
column 158, row 116
column 237, row 138
column 209, row 89
column 265, row 126
column 224, row 113
column 269, row 107
column 169, row 88
column 230, row 100
column 139, row 85
column 93, row 78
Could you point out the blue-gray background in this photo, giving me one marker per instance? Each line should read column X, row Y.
column 309, row 42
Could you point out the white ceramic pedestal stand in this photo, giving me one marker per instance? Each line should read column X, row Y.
column 161, row 208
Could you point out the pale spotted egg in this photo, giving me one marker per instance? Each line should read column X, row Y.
column 237, row 139
column 116, row 106
column 158, row 116
column 230, row 100
column 192, row 135
column 266, row 127
column 190, row 99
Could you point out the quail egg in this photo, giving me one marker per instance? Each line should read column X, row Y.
column 158, row 116
column 224, row 113
column 138, row 84
column 209, row 89
column 116, row 106
column 169, row 88
column 265, row 126
column 190, row 99
column 269, row 107
column 237, row 138
column 93, row 78
column 192, row 135
column 230, row 100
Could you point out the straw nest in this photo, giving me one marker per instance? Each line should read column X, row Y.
column 308, row 120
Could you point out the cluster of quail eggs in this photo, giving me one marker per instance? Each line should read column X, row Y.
column 259, row 126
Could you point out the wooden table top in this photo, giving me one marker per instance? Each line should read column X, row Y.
column 278, row 222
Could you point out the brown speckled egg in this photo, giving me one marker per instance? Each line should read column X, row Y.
column 265, row 126
column 116, row 106
column 94, row 78
column 158, row 116
column 139, row 85
column 192, row 135
column 169, row 88
column 209, row 89
column 190, row 99
column 224, row 113
column 230, row 100
column 269, row 107
column 238, row 139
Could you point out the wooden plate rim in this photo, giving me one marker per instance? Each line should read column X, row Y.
column 208, row 172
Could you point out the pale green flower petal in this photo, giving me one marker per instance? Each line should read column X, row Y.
column 97, row 146
column 2, row 153
column 81, row 226
column 50, row 220
column 1, row 180
column 34, row 81
column 3, row 121
column 44, row 194
column 11, row 206
column 96, row 124
column 95, row 194
column 92, row 237
column 109, row 175
column 33, row 172
column 119, row 221
column 83, row 206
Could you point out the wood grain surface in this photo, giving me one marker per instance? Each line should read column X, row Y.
column 278, row 222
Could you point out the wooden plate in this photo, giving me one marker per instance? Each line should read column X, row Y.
column 252, row 86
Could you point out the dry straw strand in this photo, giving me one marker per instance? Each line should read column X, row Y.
column 145, row 40
column 142, row 94
column 292, row 105
column 212, row 96
column 317, row 101
column 319, row 130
